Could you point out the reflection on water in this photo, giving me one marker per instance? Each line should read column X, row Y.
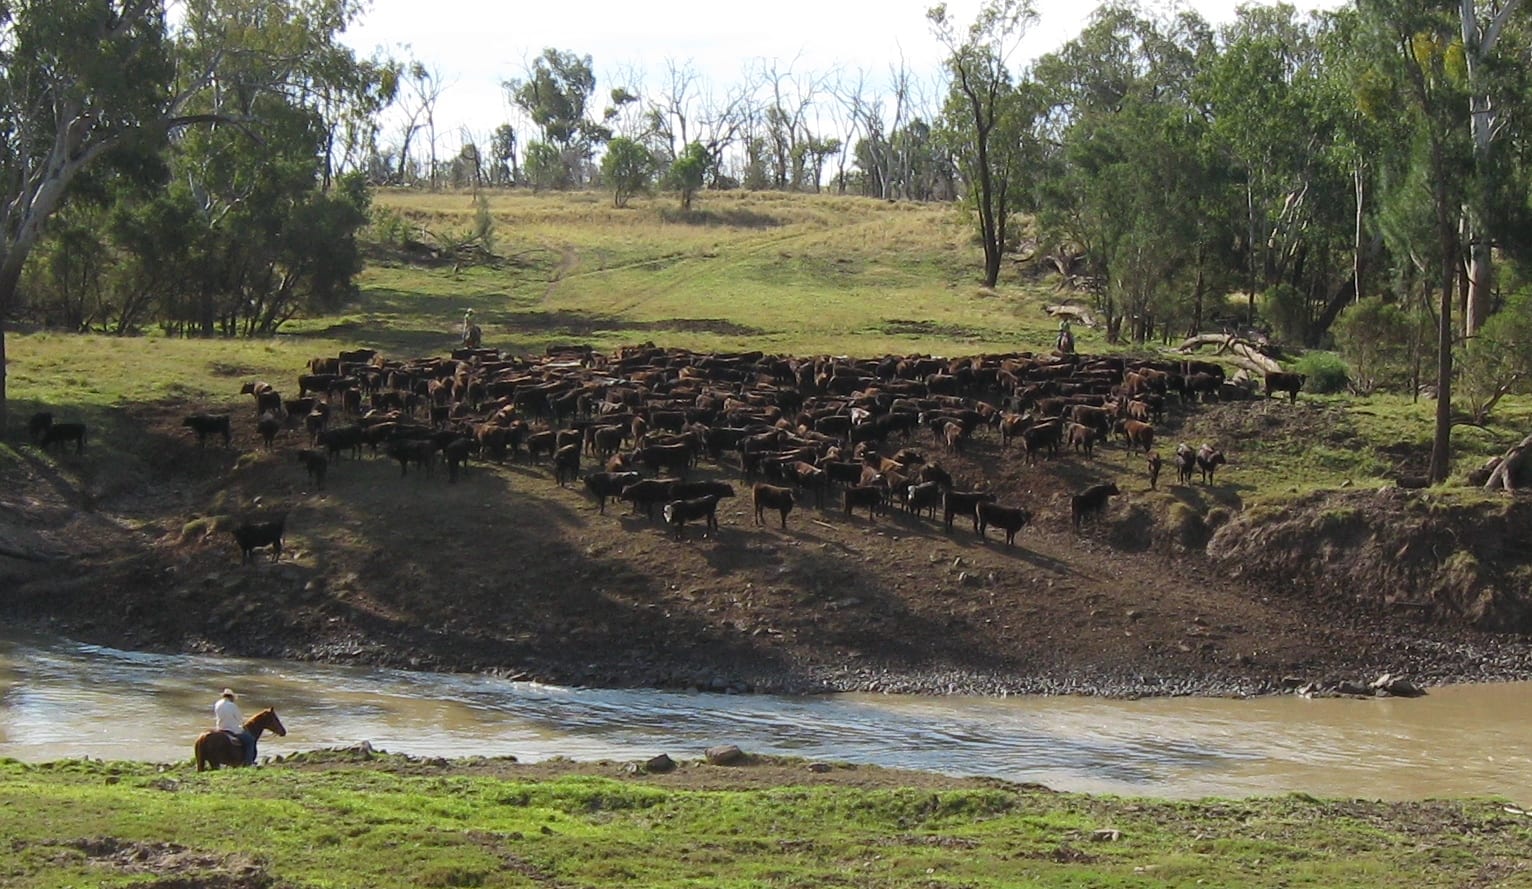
column 61, row 699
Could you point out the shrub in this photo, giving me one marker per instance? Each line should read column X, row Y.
column 1375, row 338
column 1326, row 373
column 388, row 227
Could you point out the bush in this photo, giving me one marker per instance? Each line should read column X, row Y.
column 389, row 227
column 1326, row 373
column 1376, row 339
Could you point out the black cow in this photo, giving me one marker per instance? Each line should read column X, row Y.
column 317, row 465
column 1278, row 381
column 955, row 503
column 604, row 485
column 1009, row 519
column 1090, row 502
column 647, row 493
column 208, row 424
column 48, row 433
column 870, row 496
column 251, row 536
column 679, row 512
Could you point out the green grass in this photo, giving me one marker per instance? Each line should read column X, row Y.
column 73, row 823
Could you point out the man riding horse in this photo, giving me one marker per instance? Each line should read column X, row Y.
column 228, row 719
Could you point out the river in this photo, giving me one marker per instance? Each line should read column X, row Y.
column 61, row 699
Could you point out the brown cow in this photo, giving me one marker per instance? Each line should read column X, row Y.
column 772, row 497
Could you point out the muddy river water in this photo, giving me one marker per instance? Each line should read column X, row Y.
column 60, row 699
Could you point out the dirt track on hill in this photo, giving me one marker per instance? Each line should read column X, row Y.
column 506, row 572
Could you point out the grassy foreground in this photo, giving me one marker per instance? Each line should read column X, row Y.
column 315, row 821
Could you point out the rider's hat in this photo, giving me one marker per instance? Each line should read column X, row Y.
column 228, row 693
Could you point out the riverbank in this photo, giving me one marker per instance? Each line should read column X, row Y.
column 347, row 817
column 507, row 573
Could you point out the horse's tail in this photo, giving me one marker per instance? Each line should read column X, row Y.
column 199, row 751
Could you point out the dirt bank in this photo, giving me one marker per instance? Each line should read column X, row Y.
column 507, row 572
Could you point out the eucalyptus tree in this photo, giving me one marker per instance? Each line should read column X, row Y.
column 1130, row 185
column 627, row 168
column 81, row 79
column 688, row 112
column 502, row 155
column 1264, row 121
column 556, row 94
column 687, row 172
column 1417, row 66
column 983, row 96
column 1494, row 59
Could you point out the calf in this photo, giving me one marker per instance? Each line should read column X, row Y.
column 455, row 453
column 1009, row 519
column 679, row 512
column 1290, row 383
column 807, row 475
column 267, row 399
column 603, row 485
column 1082, row 438
column 924, row 497
column 48, row 433
column 268, row 427
column 1154, row 462
column 420, row 451
column 251, row 536
column 539, row 443
column 1208, row 461
column 566, row 463
column 954, row 434
column 870, row 496
column 208, row 424
column 1136, row 434
column 1186, row 463
column 314, row 461
column 344, row 438
column 772, row 497
column 966, row 503
column 1091, row 502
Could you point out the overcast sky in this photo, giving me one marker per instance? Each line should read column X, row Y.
column 477, row 44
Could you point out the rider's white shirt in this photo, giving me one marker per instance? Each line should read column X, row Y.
column 227, row 714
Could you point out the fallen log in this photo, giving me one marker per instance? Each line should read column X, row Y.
column 1247, row 354
column 1506, row 469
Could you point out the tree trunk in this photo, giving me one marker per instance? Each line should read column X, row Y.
column 4, row 400
column 1478, row 45
column 1441, row 441
column 10, row 277
column 1358, row 238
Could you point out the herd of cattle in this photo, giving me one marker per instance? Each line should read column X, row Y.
column 798, row 429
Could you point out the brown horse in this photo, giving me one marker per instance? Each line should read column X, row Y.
column 214, row 749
